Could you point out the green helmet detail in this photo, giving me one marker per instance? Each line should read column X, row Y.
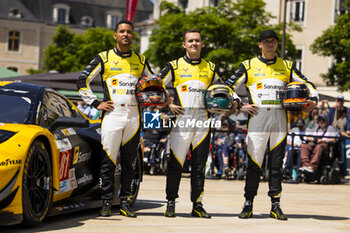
column 218, row 98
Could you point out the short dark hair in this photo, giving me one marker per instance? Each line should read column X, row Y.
column 191, row 30
column 124, row 21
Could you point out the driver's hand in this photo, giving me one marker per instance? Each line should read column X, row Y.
column 106, row 106
column 251, row 109
column 234, row 107
column 175, row 109
column 311, row 105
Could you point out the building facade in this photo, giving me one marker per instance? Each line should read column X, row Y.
column 27, row 26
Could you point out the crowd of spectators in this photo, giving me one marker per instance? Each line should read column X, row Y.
column 313, row 134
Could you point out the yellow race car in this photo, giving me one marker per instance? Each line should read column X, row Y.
column 49, row 156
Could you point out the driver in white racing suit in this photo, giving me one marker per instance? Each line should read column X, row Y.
column 120, row 69
column 265, row 77
column 190, row 76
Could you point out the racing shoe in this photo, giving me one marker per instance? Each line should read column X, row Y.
column 276, row 212
column 199, row 211
column 126, row 210
column 106, row 210
column 170, row 209
column 247, row 211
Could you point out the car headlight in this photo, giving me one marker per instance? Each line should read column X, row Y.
column 5, row 135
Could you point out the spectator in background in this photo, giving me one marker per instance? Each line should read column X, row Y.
column 225, row 140
column 332, row 115
column 294, row 144
column 94, row 114
column 317, row 144
column 324, row 107
column 311, row 120
column 84, row 108
column 341, row 124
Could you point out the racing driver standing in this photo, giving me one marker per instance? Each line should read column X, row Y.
column 190, row 75
column 120, row 69
column 265, row 76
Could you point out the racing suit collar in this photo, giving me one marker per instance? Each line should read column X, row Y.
column 267, row 61
column 192, row 61
column 121, row 54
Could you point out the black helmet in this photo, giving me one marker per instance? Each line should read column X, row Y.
column 295, row 96
column 150, row 91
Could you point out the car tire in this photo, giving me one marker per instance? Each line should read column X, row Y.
column 37, row 190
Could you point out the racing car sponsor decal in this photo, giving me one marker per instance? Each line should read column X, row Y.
column 68, row 131
column 68, row 184
column 184, row 88
column 8, row 162
column 76, row 154
column 72, row 179
column 65, row 158
column 64, row 186
column 64, row 144
column 84, row 157
column 85, row 179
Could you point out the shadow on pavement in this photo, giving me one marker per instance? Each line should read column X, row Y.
column 147, row 204
column 304, row 216
column 59, row 222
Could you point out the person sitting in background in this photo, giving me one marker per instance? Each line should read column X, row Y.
column 317, row 145
column 311, row 120
column 225, row 140
column 332, row 115
column 294, row 144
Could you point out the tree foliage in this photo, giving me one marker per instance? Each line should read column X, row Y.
column 230, row 32
column 335, row 42
column 71, row 52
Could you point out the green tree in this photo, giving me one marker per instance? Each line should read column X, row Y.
column 71, row 52
column 335, row 42
column 230, row 31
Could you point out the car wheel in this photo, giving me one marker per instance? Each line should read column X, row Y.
column 135, row 185
column 37, row 184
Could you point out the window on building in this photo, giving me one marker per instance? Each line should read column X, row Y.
column 61, row 13
column 14, row 12
column 215, row 2
column 112, row 19
column 298, row 11
column 298, row 59
column 15, row 69
column 13, row 40
column 341, row 7
column 115, row 20
column 86, row 21
column 183, row 4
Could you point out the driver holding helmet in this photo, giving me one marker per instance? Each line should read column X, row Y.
column 265, row 77
column 190, row 75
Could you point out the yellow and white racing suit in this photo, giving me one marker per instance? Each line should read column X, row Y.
column 120, row 128
column 264, row 81
column 190, row 78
